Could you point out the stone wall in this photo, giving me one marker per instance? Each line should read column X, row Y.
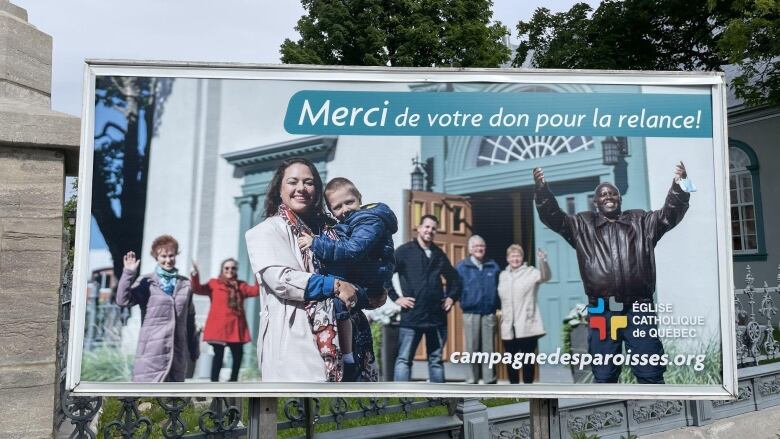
column 31, row 194
column 37, row 147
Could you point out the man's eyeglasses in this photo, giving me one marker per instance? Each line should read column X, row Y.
column 230, row 268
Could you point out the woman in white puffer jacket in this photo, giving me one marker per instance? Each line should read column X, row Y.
column 521, row 320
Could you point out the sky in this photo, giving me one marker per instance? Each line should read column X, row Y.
column 183, row 30
column 247, row 31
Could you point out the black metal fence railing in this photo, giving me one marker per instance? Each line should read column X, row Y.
column 754, row 309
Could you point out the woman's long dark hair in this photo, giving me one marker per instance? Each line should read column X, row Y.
column 273, row 198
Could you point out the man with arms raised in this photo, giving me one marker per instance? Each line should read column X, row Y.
column 616, row 256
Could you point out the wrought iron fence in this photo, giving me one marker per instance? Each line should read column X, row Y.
column 224, row 417
column 754, row 310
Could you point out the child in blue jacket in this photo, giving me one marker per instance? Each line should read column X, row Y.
column 363, row 254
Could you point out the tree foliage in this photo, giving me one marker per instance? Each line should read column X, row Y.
column 69, row 211
column 662, row 35
column 751, row 40
column 630, row 34
column 456, row 33
column 130, row 108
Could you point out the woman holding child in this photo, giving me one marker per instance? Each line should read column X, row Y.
column 362, row 252
column 297, row 338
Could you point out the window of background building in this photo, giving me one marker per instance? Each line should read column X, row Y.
column 746, row 228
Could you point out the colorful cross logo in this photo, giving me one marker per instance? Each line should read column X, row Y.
column 600, row 322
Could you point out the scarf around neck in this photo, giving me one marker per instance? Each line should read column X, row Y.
column 320, row 313
column 299, row 228
column 167, row 279
column 233, row 293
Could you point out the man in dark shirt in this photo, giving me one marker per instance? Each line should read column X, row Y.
column 420, row 265
column 615, row 252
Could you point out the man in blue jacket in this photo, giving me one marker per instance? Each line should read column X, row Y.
column 421, row 265
column 479, row 301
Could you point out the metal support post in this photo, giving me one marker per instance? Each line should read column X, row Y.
column 542, row 413
column 474, row 416
column 262, row 418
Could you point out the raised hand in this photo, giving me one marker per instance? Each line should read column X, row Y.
column 541, row 255
column 131, row 262
column 195, row 270
column 679, row 172
column 539, row 176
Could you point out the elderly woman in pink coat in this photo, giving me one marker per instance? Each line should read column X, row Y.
column 521, row 320
column 286, row 346
column 165, row 298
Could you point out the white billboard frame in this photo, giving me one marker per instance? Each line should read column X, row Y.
column 714, row 80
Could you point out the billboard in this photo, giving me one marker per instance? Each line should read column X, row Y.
column 269, row 230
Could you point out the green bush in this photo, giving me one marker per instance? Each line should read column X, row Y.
column 106, row 365
column 711, row 374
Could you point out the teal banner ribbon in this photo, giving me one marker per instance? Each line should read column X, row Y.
column 486, row 114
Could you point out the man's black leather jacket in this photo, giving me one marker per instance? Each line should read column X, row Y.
column 616, row 258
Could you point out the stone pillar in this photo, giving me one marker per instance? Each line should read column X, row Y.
column 246, row 206
column 38, row 147
column 474, row 416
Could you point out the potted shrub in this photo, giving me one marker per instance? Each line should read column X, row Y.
column 575, row 338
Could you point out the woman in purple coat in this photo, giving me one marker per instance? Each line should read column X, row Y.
column 165, row 299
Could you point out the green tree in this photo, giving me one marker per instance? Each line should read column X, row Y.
column 456, row 33
column 630, row 35
column 662, row 35
column 751, row 40
column 130, row 108
column 69, row 211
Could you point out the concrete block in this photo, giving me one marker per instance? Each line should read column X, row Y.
column 10, row 8
column 745, row 402
column 34, row 272
column 12, row 90
column 767, row 390
column 30, row 234
column 648, row 416
column 25, row 124
column 27, row 376
column 31, row 183
column 608, row 421
column 28, row 327
column 25, row 54
column 28, row 410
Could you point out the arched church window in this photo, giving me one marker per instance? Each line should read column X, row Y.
column 496, row 150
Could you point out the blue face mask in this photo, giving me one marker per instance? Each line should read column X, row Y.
column 687, row 185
